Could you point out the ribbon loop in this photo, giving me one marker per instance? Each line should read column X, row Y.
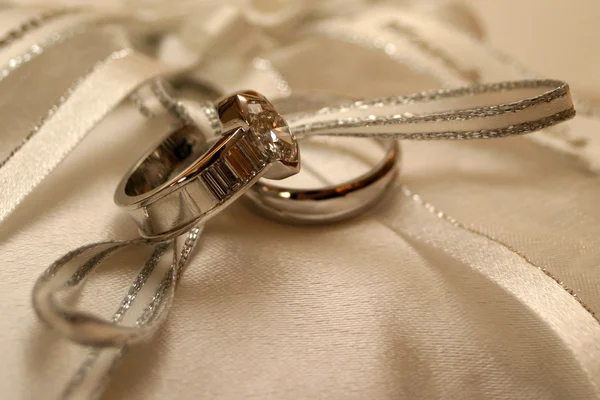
column 70, row 272
column 473, row 112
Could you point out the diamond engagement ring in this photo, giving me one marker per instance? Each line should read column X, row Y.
column 188, row 178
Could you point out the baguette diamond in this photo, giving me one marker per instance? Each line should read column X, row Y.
column 241, row 163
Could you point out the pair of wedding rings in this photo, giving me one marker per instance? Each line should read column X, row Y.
column 190, row 177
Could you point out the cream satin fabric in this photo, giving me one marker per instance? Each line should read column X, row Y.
column 387, row 306
column 400, row 303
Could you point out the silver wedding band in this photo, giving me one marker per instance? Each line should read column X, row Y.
column 331, row 203
column 187, row 178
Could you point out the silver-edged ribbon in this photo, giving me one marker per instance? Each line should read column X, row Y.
column 140, row 313
column 40, row 138
column 483, row 111
column 69, row 273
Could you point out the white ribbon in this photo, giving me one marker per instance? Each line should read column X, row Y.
column 482, row 111
column 70, row 272
column 81, row 106
column 476, row 112
column 455, row 57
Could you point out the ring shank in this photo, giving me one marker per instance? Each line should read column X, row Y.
column 170, row 158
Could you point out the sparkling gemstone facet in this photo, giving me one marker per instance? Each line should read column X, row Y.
column 272, row 131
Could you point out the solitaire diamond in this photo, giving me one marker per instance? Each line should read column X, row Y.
column 271, row 130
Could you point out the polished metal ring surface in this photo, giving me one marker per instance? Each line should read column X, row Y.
column 331, row 203
column 188, row 178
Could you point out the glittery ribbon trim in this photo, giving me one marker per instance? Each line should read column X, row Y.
column 88, row 329
column 475, row 112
